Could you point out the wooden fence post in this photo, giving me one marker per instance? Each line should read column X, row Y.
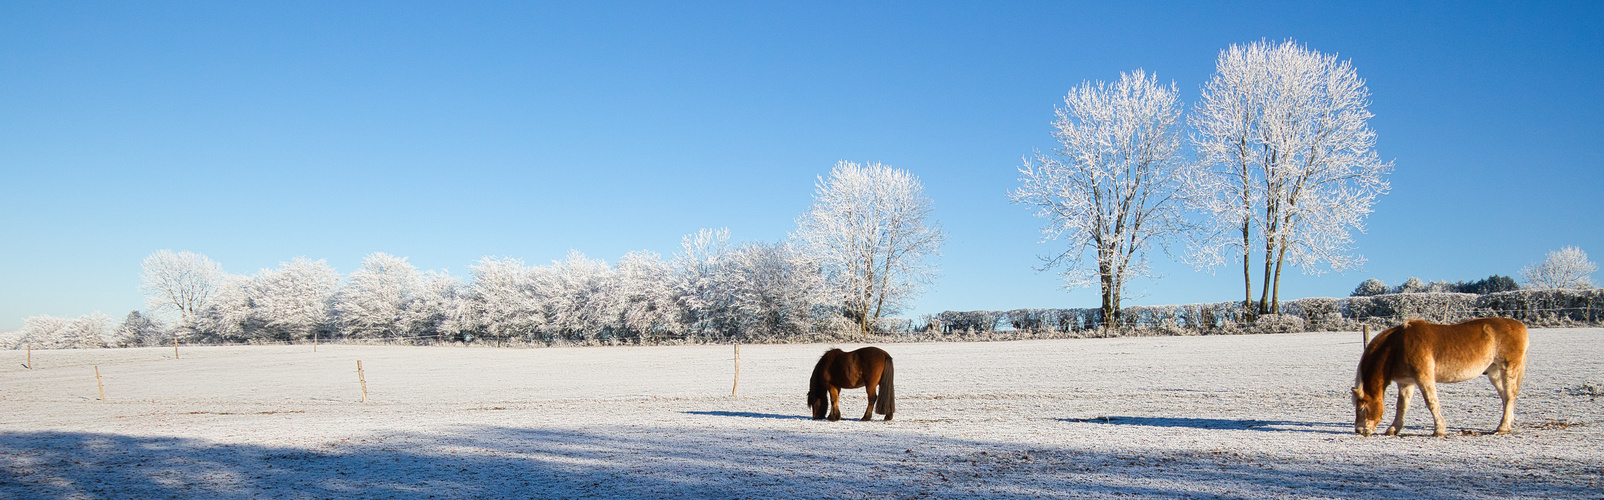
column 175, row 347
column 737, row 384
column 363, row 379
column 101, row 387
column 30, row 356
column 1366, row 342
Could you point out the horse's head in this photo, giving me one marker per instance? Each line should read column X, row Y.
column 1367, row 404
column 819, row 384
column 1366, row 411
column 818, row 403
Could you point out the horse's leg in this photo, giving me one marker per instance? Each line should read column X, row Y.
column 1508, row 385
column 1405, row 392
column 1500, row 379
column 1428, row 389
column 869, row 412
column 835, row 403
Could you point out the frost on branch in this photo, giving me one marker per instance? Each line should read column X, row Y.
column 183, row 282
column 869, row 227
column 1289, row 163
column 1109, row 189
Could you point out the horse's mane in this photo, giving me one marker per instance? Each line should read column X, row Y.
column 1375, row 353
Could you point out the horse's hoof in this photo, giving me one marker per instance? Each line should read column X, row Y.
column 888, row 418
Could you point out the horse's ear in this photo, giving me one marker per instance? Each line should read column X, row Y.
column 1357, row 392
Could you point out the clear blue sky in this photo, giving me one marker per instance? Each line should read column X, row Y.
column 256, row 132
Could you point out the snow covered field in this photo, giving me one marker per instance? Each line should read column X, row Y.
column 1257, row 416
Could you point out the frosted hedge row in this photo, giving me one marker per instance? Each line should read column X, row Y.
column 1540, row 308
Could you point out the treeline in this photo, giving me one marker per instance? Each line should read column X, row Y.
column 712, row 292
column 671, row 318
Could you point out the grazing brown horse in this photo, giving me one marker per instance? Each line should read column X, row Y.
column 868, row 367
column 1423, row 354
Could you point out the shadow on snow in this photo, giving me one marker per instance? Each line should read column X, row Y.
column 1217, row 424
column 649, row 462
column 747, row 414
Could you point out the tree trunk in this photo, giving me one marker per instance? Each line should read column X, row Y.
column 1275, row 296
column 1269, row 263
column 1247, row 274
column 1110, row 301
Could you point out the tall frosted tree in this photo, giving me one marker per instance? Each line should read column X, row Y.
column 1108, row 190
column 1290, row 166
column 870, row 227
column 182, row 282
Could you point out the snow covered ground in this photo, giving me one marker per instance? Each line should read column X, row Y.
column 1257, row 416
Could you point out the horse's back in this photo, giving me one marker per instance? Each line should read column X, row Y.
column 1462, row 350
column 872, row 354
column 1501, row 336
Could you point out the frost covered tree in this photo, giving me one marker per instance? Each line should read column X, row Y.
column 644, row 296
column 503, row 302
column 440, row 304
column 182, row 282
column 698, row 269
column 227, row 316
column 750, row 291
column 1413, row 285
column 1290, row 166
column 1109, row 187
column 1369, row 288
column 870, row 227
column 575, row 297
column 774, row 290
column 1564, row 268
column 381, row 300
column 139, row 330
column 50, row 332
column 294, row 301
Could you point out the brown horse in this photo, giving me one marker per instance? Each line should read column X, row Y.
column 868, row 367
column 1423, row 354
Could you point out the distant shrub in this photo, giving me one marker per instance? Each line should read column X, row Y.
column 1412, row 285
column 1493, row 284
column 1370, row 287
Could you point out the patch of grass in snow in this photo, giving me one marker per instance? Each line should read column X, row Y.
column 1588, row 390
column 1549, row 425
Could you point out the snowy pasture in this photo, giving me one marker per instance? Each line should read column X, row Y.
column 1256, row 416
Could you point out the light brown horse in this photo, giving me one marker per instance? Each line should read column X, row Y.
column 1419, row 353
column 868, row 367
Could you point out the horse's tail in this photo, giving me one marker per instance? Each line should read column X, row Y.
column 886, row 402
